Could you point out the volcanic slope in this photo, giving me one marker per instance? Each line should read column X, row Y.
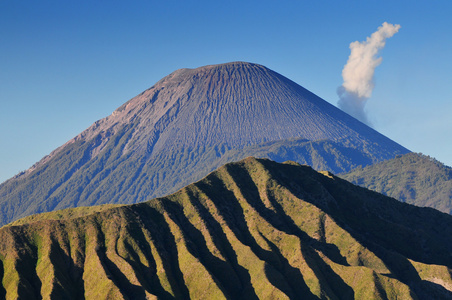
column 413, row 178
column 184, row 127
column 255, row 229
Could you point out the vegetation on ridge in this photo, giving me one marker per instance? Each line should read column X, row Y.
column 254, row 229
column 412, row 178
column 85, row 183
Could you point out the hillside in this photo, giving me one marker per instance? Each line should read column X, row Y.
column 255, row 229
column 185, row 126
column 413, row 178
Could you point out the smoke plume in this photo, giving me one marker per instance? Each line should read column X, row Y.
column 358, row 73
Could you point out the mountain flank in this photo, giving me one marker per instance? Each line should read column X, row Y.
column 255, row 229
column 413, row 178
column 185, row 126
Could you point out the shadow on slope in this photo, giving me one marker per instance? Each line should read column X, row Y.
column 252, row 229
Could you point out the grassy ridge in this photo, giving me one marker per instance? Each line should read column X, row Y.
column 254, row 229
column 413, row 178
column 70, row 179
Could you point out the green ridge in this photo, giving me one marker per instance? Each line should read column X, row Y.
column 255, row 229
column 412, row 178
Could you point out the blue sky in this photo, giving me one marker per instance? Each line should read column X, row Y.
column 66, row 64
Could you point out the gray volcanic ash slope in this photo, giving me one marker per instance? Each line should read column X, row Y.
column 185, row 126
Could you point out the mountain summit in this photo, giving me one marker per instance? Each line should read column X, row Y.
column 236, row 105
column 185, row 126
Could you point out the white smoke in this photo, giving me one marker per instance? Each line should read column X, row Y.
column 358, row 73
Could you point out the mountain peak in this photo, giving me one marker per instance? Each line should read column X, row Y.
column 186, row 125
column 236, row 104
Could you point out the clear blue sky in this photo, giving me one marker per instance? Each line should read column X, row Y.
column 66, row 64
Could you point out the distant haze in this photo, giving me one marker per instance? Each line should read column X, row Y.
column 358, row 73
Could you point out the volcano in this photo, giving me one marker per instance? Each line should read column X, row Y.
column 185, row 126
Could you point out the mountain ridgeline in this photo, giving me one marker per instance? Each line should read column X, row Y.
column 185, row 126
column 413, row 178
column 255, row 229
